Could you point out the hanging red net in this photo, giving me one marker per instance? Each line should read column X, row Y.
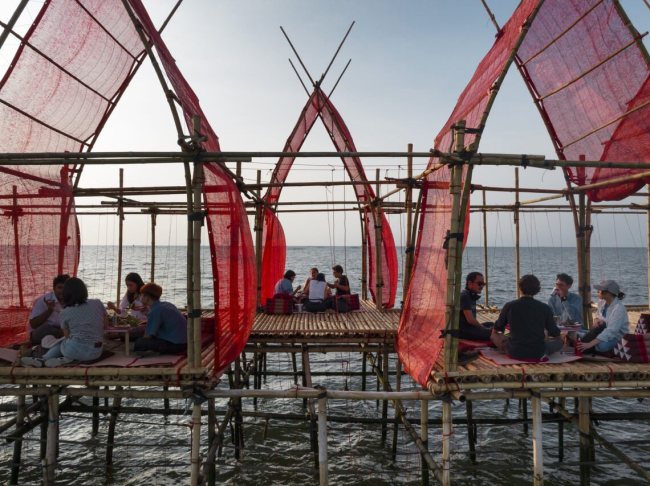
column 231, row 244
column 62, row 84
column 591, row 80
column 319, row 104
column 418, row 339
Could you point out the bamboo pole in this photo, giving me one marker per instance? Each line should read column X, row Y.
column 538, row 455
column 15, row 214
column 112, row 424
column 153, row 244
column 12, row 22
column 648, row 241
column 398, row 387
column 18, row 445
column 312, row 409
column 52, row 439
column 379, row 222
column 447, row 431
column 322, row 437
column 456, row 175
column 195, row 427
column 259, row 232
column 585, row 429
column 582, row 258
column 517, row 235
column 384, row 404
column 485, row 255
column 588, row 234
column 197, row 222
column 120, row 219
column 408, row 203
column 424, row 437
column 364, row 256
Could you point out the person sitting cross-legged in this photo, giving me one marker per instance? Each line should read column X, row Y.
column 166, row 330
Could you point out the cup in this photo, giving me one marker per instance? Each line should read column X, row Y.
column 577, row 349
column 299, row 307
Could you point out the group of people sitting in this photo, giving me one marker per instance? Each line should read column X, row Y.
column 533, row 325
column 69, row 326
column 316, row 295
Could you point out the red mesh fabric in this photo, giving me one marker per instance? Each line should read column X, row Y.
column 274, row 254
column 317, row 104
column 418, row 339
column 70, row 65
column 231, row 244
column 591, row 97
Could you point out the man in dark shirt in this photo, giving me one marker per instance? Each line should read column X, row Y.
column 469, row 327
column 341, row 284
column 528, row 318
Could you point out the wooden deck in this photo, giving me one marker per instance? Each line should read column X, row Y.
column 363, row 324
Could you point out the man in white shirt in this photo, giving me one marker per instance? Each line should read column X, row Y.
column 44, row 318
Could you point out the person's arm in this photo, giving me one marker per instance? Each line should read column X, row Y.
column 471, row 320
column 306, row 289
column 297, row 289
column 66, row 333
column 342, row 286
column 500, row 324
column 551, row 326
column 41, row 312
column 573, row 308
column 154, row 321
column 617, row 321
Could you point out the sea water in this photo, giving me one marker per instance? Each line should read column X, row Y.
column 151, row 449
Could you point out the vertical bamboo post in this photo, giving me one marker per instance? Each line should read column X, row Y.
column 485, row 255
column 398, row 387
column 197, row 221
column 582, row 264
column 52, row 439
column 408, row 202
column 379, row 222
column 364, row 371
column 364, row 256
column 560, row 432
column 452, row 249
column 15, row 214
column 120, row 220
column 259, row 232
column 112, row 424
column 65, row 216
column 384, row 404
column 322, row 436
column 212, row 434
column 516, row 214
column 18, row 444
column 238, row 417
column 196, row 445
column 313, row 439
column 153, row 244
column 584, row 426
column 424, row 436
column 471, row 431
column 588, row 233
column 648, row 240
column 538, row 458
column 447, row 430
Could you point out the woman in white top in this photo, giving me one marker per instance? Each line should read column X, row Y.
column 312, row 276
column 132, row 299
column 318, row 290
column 611, row 322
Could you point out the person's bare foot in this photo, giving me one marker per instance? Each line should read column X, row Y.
column 330, row 311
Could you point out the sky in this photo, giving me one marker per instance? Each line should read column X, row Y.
column 410, row 62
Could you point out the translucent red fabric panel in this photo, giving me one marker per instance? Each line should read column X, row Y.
column 418, row 339
column 343, row 141
column 231, row 243
column 72, row 62
column 274, row 254
column 318, row 103
column 589, row 73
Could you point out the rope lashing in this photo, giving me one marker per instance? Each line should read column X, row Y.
column 525, row 161
column 455, row 333
column 449, row 236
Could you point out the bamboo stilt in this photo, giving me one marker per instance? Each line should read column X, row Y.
column 212, row 434
column 538, row 456
column 471, row 431
column 52, row 440
column 424, row 437
column 447, row 430
column 18, row 445
column 322, row 438
column 239, row 440
column 313, row 432
column 364, row 370
column 398, row 387
column 196, row 445
column 648, row 240
column 585, row 429
column 560, row 432
column 384, row 404
column 112, row 424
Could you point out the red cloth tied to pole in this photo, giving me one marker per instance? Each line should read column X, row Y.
column 231, row 244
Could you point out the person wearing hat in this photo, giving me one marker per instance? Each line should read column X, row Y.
column 611, row 322
column 166, row 330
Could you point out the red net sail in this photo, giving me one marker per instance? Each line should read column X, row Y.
column 590, row 78
column 56, row 95
column 418, row 339
column 319, row 104
column 231, row 243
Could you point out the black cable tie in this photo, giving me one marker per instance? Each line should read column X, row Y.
column 194, row 314
column 455, row 333
column 322, row 394
column 551, row 406
column 536, row 394
column 379, row 285
column 409, row 249
column 525, row 161
column 472, row 188
column 446, row 398
column 517, row 205
column 378, row 226
column 195, row 216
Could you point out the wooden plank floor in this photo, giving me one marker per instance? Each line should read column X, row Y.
column 367, row 321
